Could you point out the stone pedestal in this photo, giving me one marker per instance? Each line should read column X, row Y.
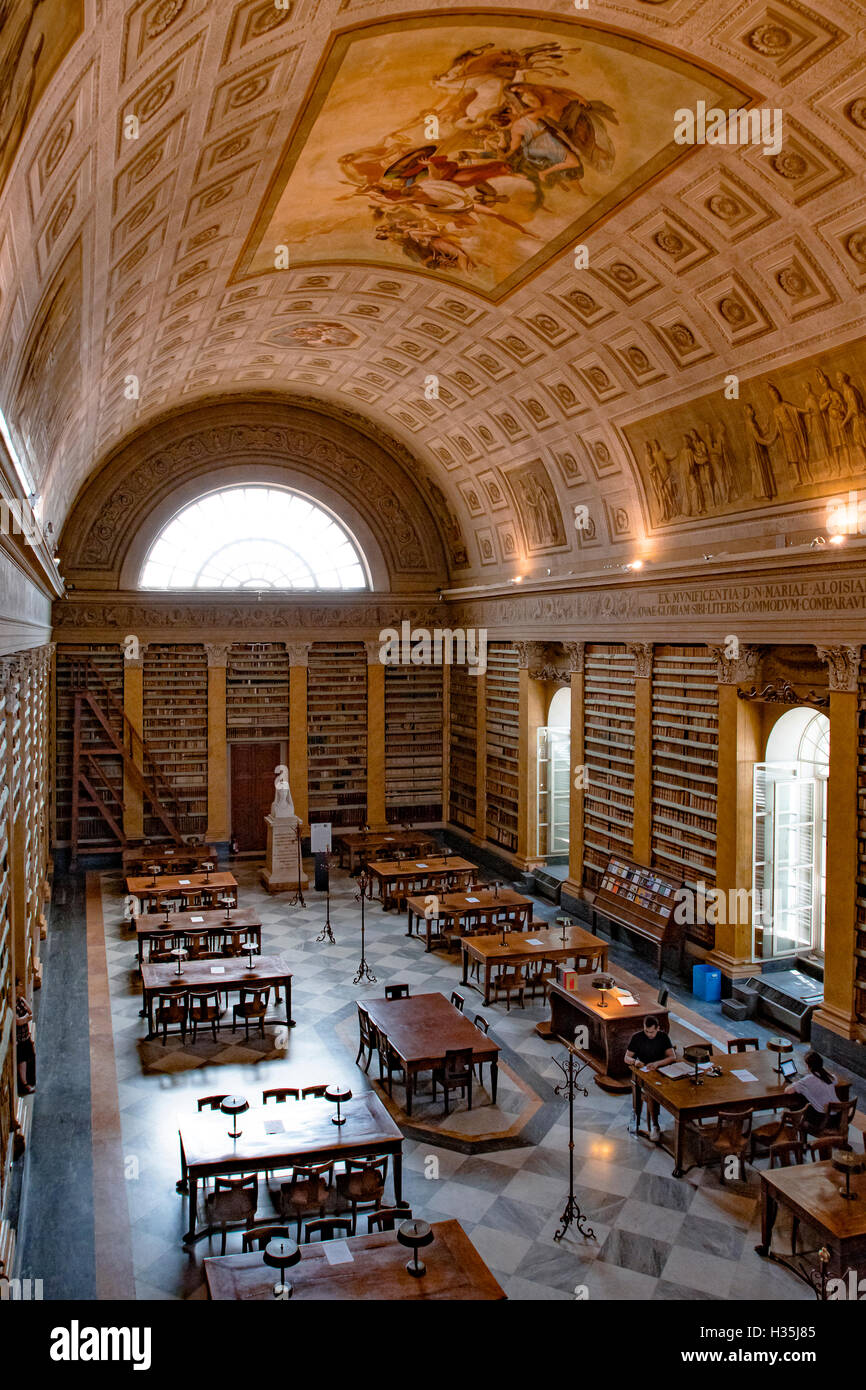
column 280, row 874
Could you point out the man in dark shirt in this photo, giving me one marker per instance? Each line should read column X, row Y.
column 650, row 1049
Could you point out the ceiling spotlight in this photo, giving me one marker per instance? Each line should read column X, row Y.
column 518, row 579
column 837, row 539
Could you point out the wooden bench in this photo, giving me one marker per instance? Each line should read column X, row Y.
column 642, row 901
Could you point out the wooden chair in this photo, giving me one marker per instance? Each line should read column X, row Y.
column 204, row 1011
column 588, row 964
column 509, row 980
column 457, row 1000
column 327, row 1229
column 386, row 1218
column 197, row 944
column 362, row 1185
column 389, row 1063
column 233, row 1201
column 306, row 1191
column 211, row 1102
column 455, row 1074
column 730, row 1136
column 483, row 1025
column 396, row 991
column 171, row 1007
column 785, row 1128
column 316, row 1091
column 785, row 1153
column 159, row 952
column 743, row 1045
column 280, row 1094
column 820, row 1150
column 252, row 1008
column 366, row 1037
column 258, row 1238
column 231, row 941
column 837, row 1121
column 540, row 973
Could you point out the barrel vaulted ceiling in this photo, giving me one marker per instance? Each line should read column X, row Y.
column 432, row 294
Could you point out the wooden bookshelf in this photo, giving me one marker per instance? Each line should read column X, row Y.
column 463, row 736
column 108, row 661
column 413, row 743
column 175, row 728
column 608, row 798
column 860, row 918
column 337, row 732
column 257, row 692
column 685, row 762
column 503, row 744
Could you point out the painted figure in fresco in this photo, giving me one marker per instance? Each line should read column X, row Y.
column 720, row 463
column 787, row 425
column 832, row 408
column 554, row 130
column 854, row 423
column 763, row 477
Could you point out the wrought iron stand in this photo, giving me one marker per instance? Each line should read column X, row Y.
column 297, row 898
column 569, row 1087
column 364, row 971
column 326, row 934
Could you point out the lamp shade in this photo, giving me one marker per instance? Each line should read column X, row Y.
column 414, row 1235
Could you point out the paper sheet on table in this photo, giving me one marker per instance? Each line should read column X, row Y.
column 274, row 1127
column 623, row 996
column 534, row 941
column 675, row 1069
column 217, row 970
column 196, row 919
column 422, row 866
column 337, row 1252
column 743, row 1075
column 184, row 882
column 473, row 900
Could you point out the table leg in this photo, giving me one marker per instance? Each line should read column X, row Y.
column 465, row 955
column 142, row 1013
column 409, row 915
column 494, row 1079
column 181, row 1185
column 769, row 1209
column 398, row 1177
column 429, row 934
column 636, row 1099
column 287, row 984
column 487, row 981
column 193, row 1210
column 409, row 1079
column 679, row 1144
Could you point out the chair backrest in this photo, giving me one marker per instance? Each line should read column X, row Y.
column 458, row 1061
column 307, row 1091
column 457, row 1000
column 309, row 1172
column 259, row 1238
column 201, row 998
column 255, row 995
column 327, row 1228
column 784, row 1153
column 736, row 1125
column 743, row 1045
column 481, row 1022
column 386, row 1218
column 377, row 1166
column 236, row 1198
column 840, row 1115
column 278, row 1094
column 588, row 964
column 172, row 1002
column 211, row 1102
column 396, row 991
column 822, row 1148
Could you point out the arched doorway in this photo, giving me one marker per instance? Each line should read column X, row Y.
column 790, row 837
column 554, row 777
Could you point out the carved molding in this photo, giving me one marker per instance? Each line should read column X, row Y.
column 217, row 654
column 298, row 653
column 843, row 667
column 373, row 650
column 575, row 653
column 545, row 661
column 643, row 659
column 736, row 670
column 783, row 693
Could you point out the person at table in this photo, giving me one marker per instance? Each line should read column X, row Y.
column 816, row 1090
column 650, row 1049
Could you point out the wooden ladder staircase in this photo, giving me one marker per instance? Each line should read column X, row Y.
column 94, row 738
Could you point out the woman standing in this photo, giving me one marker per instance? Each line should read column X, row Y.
column 25, row 1051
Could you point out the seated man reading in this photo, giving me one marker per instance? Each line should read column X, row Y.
column 650, row 1049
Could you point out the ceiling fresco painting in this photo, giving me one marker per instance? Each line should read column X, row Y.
column 34, row 38
column 795, row 433
column 486, row 149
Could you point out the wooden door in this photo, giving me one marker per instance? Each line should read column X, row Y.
column 252, row 791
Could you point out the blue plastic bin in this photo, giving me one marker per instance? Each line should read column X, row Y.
column 707, row 983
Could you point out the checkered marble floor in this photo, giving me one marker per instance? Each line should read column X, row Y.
column 655, row 1237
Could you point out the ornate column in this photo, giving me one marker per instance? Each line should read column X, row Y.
column 534, row 671
column 739, row 749
column 643, row 744
column 218, row 827
column 375, row 735
column 837, row 1013
column 575, row 652
column 299, row 658
column 133, row 708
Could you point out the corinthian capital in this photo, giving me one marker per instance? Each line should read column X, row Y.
column 843, row 665
column 217, row 654
column 736, row 669
column 643, row 659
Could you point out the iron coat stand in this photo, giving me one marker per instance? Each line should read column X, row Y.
column 569, row 1086
column 364, row 971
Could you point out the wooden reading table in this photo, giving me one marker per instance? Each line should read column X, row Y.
column 610, row 1028
column 181, row 886
column 376, row 1270
column 687, row 1102
column 284, row 1136
column 521, row 948
column 363, row 845
column 422, row 1028
column 401, row 878
column 229, row 975
column 454, row 908
column 151, row 928
column 168, row 856
column 811, row 1192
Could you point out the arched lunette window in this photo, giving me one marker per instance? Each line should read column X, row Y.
column 254, row 538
